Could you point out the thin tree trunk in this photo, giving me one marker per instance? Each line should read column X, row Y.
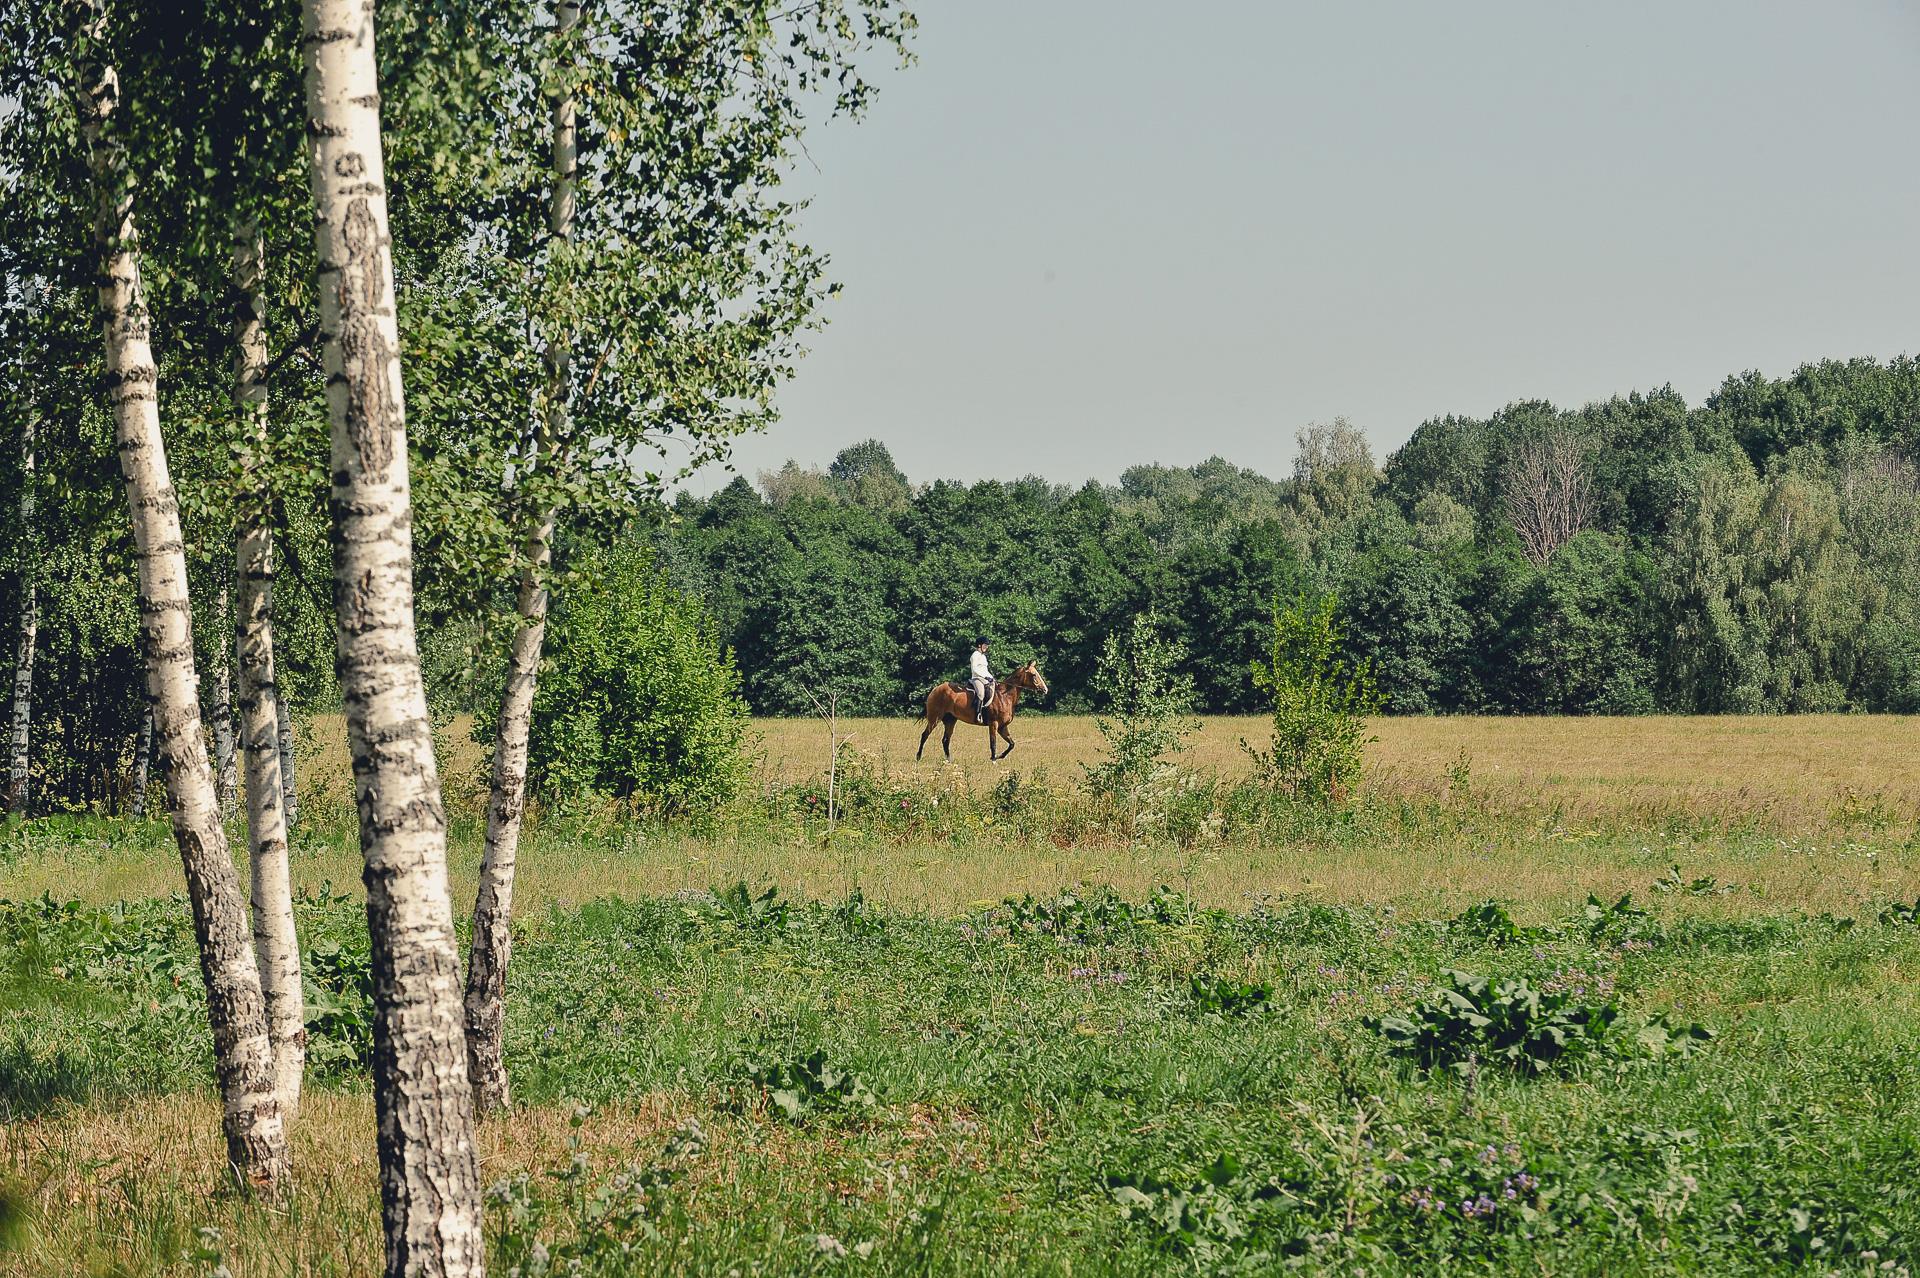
column 142, row 760
column 493, row 907
column 429, row 1177
column 17, row 794
column 225, row 779
column 276, row 944
column 243, row 1058
column 506, row 803
column 283, row 738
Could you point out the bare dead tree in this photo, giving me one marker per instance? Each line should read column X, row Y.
column 1549, row 492
column 828, row 708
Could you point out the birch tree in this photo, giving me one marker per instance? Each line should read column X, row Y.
column 256, row 1145
column 429, row 1178
column 226, row 780
column 19, row 736
column 666, row 289
column 283, row 739
column 484, row 1004
column 234, row 122
column 142, row 761
column 275, row 942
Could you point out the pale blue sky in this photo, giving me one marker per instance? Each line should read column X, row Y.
column 1080, row 234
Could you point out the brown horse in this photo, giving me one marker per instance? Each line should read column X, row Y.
column 952, row 703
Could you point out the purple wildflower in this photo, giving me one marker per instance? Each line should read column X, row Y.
column 1425, row 1200
column 1476, row 1208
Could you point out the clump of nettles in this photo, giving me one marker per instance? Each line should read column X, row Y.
column 1148, row 712
column 1476, row 1022
column 1320, row 705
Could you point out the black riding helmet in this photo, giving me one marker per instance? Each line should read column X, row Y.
column 980, row 643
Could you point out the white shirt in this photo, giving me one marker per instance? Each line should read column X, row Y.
column 978, row 665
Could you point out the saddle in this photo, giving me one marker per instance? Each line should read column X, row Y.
column 966, row 686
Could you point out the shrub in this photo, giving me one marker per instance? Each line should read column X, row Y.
column 1320, row 705
column 640, row 701
column 1147, row 706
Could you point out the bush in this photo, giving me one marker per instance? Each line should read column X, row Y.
column 640, row 701
column 1147, row 710
column 1320, row 705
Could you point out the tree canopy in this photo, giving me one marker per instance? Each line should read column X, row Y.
column 1758, row 552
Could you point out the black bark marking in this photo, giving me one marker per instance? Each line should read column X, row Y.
column 365, row 354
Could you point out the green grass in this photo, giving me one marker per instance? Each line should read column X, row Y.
column 929, row 1053
column 1041, row 1089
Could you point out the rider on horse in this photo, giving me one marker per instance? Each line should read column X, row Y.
column 979, row 701
column 981, row 678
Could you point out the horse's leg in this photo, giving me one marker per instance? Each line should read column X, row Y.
column 946, row 740
column 1007, row 737
column 924, row 734
column 992, row 745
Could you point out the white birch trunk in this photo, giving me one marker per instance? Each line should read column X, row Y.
column 243, row 1059
column 493, row 907
column 17, row 794
column 224, row 777
column 429, row 1178
column 142, row 759
column 506, row 803
column 283, row 738
column 276, row 944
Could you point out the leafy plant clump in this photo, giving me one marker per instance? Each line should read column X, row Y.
column 1899, row 915
column 1220, row 997
column 1477, row 1021
column 1706, row 885
column 1490, row 922
column 1621, row 923
column 762, row 912
column 338, row 976
column 1320, row 705
column 1085, row 917
column 1203, row 1217
column 801, row 1088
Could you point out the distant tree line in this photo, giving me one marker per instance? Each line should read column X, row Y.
column 1756, row 553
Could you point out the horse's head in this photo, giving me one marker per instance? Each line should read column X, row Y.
column 1028, row 676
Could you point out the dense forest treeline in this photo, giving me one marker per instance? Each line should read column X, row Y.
column 1759, row 552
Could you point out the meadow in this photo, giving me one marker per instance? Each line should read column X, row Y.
column 1565, row 996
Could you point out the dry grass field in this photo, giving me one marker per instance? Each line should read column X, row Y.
column 1816, row 812
column 1784, row 767
column 1784, row 770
